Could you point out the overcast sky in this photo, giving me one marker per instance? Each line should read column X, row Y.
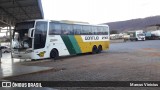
column 99, row 11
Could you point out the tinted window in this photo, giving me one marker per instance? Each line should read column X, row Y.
column 105, row 30
column 90, row 30
column 77, row 29
column 66, row 29
column 54, row 29
column 100, row 30
column 85, row 30
column 94, row 30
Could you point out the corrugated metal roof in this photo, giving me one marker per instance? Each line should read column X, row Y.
column 12, row 11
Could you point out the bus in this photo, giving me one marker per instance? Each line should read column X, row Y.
column 40, row 39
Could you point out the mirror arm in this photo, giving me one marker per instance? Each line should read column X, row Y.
column 30, row 32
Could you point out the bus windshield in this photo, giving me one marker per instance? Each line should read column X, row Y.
column 20, row 35
column 141, row 34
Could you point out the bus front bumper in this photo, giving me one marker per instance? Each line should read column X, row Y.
column 22, row 55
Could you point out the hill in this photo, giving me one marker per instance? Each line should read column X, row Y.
column 134, row 24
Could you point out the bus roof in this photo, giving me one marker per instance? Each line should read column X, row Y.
column 80, row 23
column 67, row 22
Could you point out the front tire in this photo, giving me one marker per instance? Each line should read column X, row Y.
column 54, row 54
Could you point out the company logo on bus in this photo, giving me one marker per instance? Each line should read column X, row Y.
column 91, row 38
column 88, row 38
column 41, row 54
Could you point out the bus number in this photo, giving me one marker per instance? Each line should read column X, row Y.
column 105, row 37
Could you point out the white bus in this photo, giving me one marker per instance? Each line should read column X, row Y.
column 39, row 39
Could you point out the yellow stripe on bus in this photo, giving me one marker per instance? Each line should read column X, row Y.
column 87, row 46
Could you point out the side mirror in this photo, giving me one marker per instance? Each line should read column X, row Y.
column 30, row 32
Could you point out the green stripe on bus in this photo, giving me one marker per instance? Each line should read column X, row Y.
column 74, row 43
column 68, row 44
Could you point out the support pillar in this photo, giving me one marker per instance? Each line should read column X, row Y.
column 10, row 33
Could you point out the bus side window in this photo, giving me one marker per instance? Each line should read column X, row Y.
column 66, row 29
column 57, row 29
column 77, row 29
column 105, row 30
column 71, row 30
column 100, row 30
column 90, row 30
column 94, row 30
column 54, row 29
column 85, row 30
column 51, row 28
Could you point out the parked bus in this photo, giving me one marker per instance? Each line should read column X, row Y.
column 39, row 39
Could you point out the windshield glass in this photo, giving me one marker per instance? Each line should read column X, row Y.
column 20, row 35
column 140, row 34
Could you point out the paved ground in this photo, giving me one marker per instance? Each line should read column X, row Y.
column 9, row 68
column 130, row 61
column 118, row 41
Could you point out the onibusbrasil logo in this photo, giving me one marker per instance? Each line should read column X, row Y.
column 17, row 84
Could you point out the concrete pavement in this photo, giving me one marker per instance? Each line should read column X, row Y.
column 9, row 68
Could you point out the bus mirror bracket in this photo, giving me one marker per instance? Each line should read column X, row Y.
column 30, row 33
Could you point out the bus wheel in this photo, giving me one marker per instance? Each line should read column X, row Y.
column 94, row 50
column 54, row 54
column 99, row 49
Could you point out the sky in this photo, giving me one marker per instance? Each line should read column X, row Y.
column 99, row 11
